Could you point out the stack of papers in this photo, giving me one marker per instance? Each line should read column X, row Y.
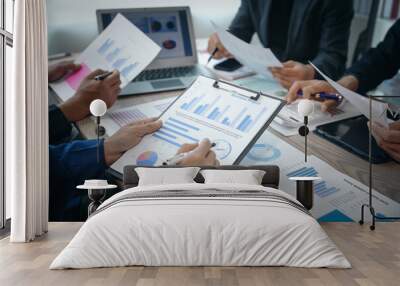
column 121, row 46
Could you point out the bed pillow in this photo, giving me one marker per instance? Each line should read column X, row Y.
column 246, row 177
column 166, row 176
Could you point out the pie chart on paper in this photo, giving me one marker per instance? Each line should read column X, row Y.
column 148, row 158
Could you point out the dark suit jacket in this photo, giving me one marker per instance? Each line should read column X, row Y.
column 318, row 31
column 380, row 63
column 70, row 165
column 59, row 126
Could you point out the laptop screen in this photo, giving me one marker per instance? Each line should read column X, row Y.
column 169, row 29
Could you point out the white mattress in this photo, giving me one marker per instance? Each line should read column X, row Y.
column 191, row 231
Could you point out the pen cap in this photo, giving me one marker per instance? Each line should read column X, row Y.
column 305, row 107
column 98, row 108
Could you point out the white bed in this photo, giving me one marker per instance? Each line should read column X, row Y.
column 247, row 226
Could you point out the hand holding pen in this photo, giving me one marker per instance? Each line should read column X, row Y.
column 199, row 154
column 317, row 90
column 216, row 49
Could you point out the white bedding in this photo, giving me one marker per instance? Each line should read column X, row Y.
column 203, row 231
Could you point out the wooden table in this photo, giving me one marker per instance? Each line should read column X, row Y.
column 375, row 258
column 386, row 176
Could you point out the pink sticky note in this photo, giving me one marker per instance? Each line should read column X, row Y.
column 75, row 79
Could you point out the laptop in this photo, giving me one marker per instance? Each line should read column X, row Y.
column 176, row 66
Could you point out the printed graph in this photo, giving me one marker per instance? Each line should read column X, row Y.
column 215, row 110
column 116, row 59
column 176, row 131
column 148, row 158
column 123, row 118
column 321, row 188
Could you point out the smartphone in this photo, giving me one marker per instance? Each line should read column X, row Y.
column 229, row 65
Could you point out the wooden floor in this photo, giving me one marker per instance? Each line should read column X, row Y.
column 375, row 257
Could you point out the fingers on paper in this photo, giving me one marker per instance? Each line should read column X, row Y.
column 328, row 105
column 187, row 147
column 389, row 135
column 147, row 128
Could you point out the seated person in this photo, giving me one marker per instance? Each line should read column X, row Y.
column 378, row 64
column 72, row 163
column 77, row 107
column 297, row 31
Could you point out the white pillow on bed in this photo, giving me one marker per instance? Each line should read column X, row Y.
column 166, row 176
column 246, row 177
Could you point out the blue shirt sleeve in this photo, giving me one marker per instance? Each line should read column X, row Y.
column 70, row 165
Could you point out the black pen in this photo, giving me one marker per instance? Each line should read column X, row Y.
column 103, row 76
column 212, row 55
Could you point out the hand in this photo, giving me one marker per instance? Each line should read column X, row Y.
column 77, row 107
column 292, row 71
column 198, row 154
column 309, row 88
column 128, row 137
column 59, row 70
column 214, row 42
column 388, row 138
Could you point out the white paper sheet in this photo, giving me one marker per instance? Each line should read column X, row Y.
column 226, row 115
column 337, row 197
column 116, row 119
column 360, row 102
column 121, row 46
column 255, row 57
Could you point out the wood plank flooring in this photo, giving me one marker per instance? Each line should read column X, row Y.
column 375, row 257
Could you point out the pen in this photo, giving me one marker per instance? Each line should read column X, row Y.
column 212, row 55
column 59, row 56
column 179, row 157
column 324, row 95
column 103, row 76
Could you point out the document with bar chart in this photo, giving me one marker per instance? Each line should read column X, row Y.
column 337, row 197
column 227, row 115
column 121, row 46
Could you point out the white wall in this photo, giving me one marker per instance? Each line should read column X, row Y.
column 72, row 23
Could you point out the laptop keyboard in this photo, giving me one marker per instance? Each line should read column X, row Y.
column 166, row 73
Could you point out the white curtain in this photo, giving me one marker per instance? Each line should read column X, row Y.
column 27, row 123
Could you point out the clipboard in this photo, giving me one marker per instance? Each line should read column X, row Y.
column 222, row 109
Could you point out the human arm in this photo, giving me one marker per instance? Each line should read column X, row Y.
column 331, row 52
column 59, row 126
column 77, row 107
column 241, row 26
column 333, row 44
column 199, row 154
column 129, row 136
column 380, row 63
column 59, row 70
column 388, row 138
column 311, row 87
